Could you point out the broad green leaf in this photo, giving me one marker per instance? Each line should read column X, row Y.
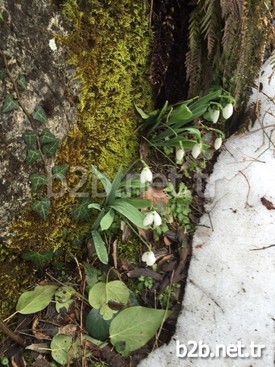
column 38, row 258
column 63, row 297
column 29, row 138
column 39, row 114
column 47, row 137
column 133, row 327
column 61, row 348
column 129, row 211
column 180, row 114
column 21, row 81
column 115, row 186
column 37, row 181
column 60, row 171
column 104, row 180
column 42, row 207
column 107, row 220
column 81, row 210
column 96, row 326
column 103, row 293
column 9, row 104
column 94, row 206
column 50, row 149
column 100, row 247
column 142, row 114
column 32, row 155
column 36, row 300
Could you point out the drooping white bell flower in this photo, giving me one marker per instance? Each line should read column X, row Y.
column 196, row 151
column 149, row 258
column 227, row 111
column 146, row 175
column 179, row 154
column 218, row 143
column 152, row 219
column 214, row 115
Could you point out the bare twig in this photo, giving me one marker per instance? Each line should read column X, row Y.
column 6, row 330
column 262, row 248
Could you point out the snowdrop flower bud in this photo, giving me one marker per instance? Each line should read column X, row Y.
column 146, row 175
column 218, row 143
column 196, row 151
column 157, row 219
column 149, row 219
column 227, row 111
column 149, row 258
column 214, row 114
column 52, row 44
column 180, row 154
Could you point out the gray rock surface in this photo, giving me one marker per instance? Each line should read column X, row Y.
column 26, row 27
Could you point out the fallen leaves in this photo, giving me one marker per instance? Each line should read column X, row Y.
column 268, row 204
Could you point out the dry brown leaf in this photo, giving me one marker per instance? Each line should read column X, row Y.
column 157, row 196
column 69, row 329
column 268, row 204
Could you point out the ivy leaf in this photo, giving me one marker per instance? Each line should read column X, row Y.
column 81, row 210
column 38, row 258
column 32, row 155
column 36, row 300
column 60, row 171
column 29, row 138
column 133, row 327
column 47, row 137
column 37, row 181
column 50, row 149
column 42, row 207
column 39, row 114
column 21, row 81
column 9, row 104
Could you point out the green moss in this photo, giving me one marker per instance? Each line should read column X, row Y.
column 109, row 46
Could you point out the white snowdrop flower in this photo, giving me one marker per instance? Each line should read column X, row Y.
column 214, row 114
column 146, row 175
column 149, row 219
column 227, row 111
column 149, row 258
column 152, row 218
column 179, row 154
column 196, row 151
column 217, row 143
column 157, row 219
column 52, row 44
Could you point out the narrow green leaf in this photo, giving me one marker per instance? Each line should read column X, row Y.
column 50, row 149
column 107, row 220
column 9, row 104
column 100, row 247
column 142, row 114
column 37, row 181
column 104, row 180
column 81, row 210
column 94, row 206
column 39, row 114
column 21, row 81
column 3, row 74
column 36, row 300
column 42, row 207
column 115, row 186
column 139, row 203
column 133, row 327
column 180, row 114
column 129, row 211
column 29, row 138
column 32, row 155
column 60, row 171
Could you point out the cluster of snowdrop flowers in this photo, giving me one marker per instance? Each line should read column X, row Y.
column 227, row 111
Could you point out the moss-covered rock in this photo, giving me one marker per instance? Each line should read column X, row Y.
column 109, row 47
